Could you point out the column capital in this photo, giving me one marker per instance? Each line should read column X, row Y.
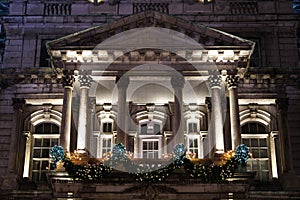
column 214, row 81
column 85, row 81
column 177, row 81
column 18, row 103
column 122, row 81
column 282, row 103
column 232, row 81
column 68, row 80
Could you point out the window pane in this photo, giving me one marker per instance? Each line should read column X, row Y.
column 253, row 127
column 263, row 142
column 144, row 129
column 54, row 142
column 261, row 128
column 39, row 128
column 38, row 142
column 45, row 153
column 104, row 127
column 156, row 145
column 46, row 142
column 255, row 153
column 245, row 128
column 263, row 153
column 55, row 129
column 47, row 128
column 145, row 145
column 36, row 165
column 246, row 142
column 36, row 153
column 254, row 142
column 45, row 165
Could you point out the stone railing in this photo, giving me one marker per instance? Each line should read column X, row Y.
column 243, row 7
column 57, row 9
column 160, row 7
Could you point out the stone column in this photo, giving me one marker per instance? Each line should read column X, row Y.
column 273, row 138
column 122, row 84
column 232, row 83
column 210, row 137
column 28, row 147
column 85, row 84
column 286, row 157
column 178, row 123
column 65, row 135
column 15, row 150
column 216, row 124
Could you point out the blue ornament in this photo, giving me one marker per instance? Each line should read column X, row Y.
column 242, row 154
column 179, row 152
column 57, row 154
column 118, row 152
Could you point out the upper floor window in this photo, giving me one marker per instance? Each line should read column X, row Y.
column 45, row 136
column 253, row 127
column 107, row 127
column 192, row 127
column 150, row 128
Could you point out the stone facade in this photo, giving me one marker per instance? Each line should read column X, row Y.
column 45, row 84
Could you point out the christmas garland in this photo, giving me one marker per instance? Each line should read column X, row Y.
column 211, row 173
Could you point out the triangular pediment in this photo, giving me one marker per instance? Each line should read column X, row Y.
column 150, row 37
column 207, row 37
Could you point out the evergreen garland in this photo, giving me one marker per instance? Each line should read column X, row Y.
column 206, row 173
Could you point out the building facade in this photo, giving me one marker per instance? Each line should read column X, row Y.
column 211, row 75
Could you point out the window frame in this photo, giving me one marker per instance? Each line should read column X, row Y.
column 41, row 159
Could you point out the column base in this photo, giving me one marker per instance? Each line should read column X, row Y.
column 9, row 182
column 290, row 181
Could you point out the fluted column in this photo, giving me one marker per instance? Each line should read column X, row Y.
column 178, row 123
column 85, row 84
column 68, row 81
column 122, row 84
column 232, row 84
column 216, row 124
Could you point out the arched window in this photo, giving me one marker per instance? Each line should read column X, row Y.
column 45, row 136
column 255, row 136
